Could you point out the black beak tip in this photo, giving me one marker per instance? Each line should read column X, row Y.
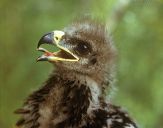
column 46, row 39
column 41, row 59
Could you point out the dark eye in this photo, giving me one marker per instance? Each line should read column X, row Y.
column 83, row 48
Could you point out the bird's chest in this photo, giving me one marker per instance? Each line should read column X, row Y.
column 51, row 111
column 67, row 105
column 50, row 117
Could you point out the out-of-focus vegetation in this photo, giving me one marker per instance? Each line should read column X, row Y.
column 137, row 29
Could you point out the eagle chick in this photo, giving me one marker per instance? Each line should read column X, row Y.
column 74, row 95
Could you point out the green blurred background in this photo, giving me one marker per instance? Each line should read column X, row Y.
column 137, row 29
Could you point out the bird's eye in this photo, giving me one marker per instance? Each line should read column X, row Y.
column 83, row 48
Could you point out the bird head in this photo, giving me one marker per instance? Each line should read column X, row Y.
column 85, row 47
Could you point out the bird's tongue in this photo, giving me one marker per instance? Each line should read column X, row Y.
column 48, row 53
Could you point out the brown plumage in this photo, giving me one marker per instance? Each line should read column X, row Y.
column 74, row 95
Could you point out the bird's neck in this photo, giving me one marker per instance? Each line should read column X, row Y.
column 95, row 83
column 81, row 96
column 67, row 99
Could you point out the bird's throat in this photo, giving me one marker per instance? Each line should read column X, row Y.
column 61, row 101
column 78, row 94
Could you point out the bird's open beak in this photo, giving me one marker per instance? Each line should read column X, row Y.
column 55, row 38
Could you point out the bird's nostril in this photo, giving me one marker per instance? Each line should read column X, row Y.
column 56, row 38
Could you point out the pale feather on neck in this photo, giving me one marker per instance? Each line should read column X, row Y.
column 95, row 93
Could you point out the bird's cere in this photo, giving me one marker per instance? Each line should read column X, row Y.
column 58, row 35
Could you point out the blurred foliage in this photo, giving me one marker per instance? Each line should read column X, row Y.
column 137, row 29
